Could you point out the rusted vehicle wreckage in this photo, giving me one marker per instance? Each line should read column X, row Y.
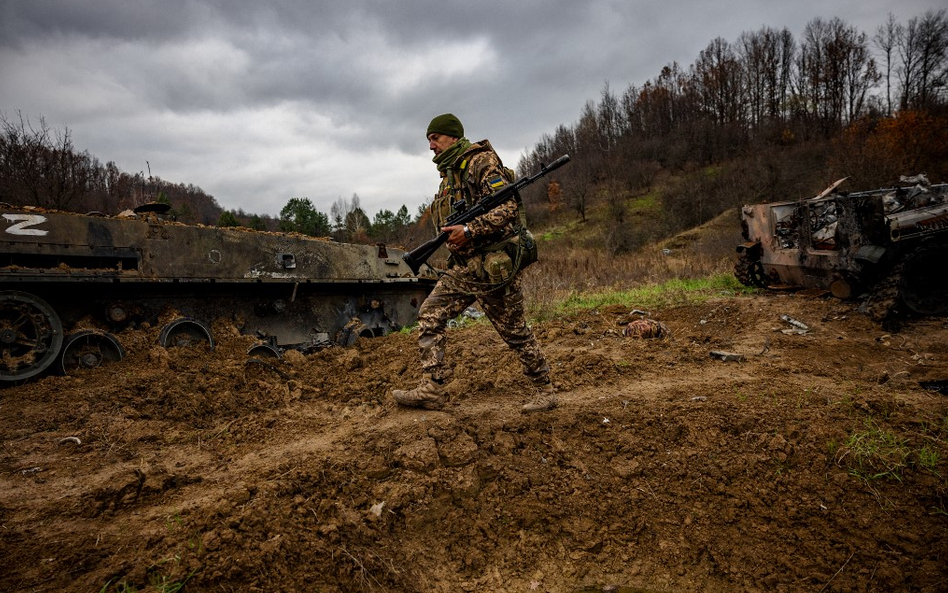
column 886, row 246
column 73, row 282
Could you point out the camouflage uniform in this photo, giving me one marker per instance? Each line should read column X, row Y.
column 477, row 173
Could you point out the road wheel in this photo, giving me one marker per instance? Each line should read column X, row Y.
column 185, row 332
column 31, row 335
column 750, row 272
column 924, row 285
column 89, row 349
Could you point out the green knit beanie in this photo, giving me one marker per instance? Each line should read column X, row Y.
column 446, row 124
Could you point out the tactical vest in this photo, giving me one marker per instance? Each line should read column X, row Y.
column 518, row 244
column 455, row 187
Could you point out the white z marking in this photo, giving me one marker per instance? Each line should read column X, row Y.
column 23, row 221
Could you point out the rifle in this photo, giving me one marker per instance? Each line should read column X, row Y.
column 463, row 214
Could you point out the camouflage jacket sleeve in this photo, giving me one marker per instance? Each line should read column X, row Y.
column 486, row 175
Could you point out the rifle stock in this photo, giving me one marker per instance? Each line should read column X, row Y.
column 420, row 254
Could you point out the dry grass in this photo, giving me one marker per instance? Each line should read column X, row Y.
column 567, row 272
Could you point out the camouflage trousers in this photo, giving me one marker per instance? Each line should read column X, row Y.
column 503, row 306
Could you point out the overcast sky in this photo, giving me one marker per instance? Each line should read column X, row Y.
column 257, row 102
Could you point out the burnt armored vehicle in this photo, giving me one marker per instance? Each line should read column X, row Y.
column 72, row 282
column 888, row 245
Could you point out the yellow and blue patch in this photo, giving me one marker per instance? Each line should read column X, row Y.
column 498, row 182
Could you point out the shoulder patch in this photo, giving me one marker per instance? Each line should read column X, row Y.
column 497, row 182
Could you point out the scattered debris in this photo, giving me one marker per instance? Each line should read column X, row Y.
column 940, row 386
column 727, row 356
column 469, row 313
column 799, row 328
column 472, row 313
column 765, row 348
column 646, row 328
column 797, row 324
column 920, row 179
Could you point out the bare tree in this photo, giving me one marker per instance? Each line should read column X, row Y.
column 609, row 120
column 22, row 155
column 767, row 59
column 755, row 51
column 887, row 39
column 859, row 73
column 348, row 219
column 719, row 78
column 834, row 72
column 579, row 184
column 587, row 168
column 924, row 53
column 39, row 169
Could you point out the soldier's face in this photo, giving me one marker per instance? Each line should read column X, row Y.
column 438, row 143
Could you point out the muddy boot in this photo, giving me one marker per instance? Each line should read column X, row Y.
column 545, row 399
column 430, row 395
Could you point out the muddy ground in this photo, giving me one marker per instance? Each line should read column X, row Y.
column 819, row 462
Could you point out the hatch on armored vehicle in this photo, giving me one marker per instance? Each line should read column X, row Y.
column 887, row 246
column 73, row 282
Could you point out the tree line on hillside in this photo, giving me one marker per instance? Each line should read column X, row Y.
column 41, row 167
column 346, row 222
column 764, row 118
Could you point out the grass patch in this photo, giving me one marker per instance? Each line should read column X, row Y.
column 647, row 203
column 928, row 458
column 669, row 293
column 874, row 453
column 569, row 228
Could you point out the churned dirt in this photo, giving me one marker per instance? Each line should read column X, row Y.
column 810, row 461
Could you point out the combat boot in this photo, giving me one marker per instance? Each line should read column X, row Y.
column 430, row 395
column 543, row 400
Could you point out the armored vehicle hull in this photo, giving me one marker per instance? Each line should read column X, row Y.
column 887, row 246
column 72, row 282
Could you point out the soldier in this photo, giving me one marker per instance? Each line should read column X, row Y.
column 486, row 257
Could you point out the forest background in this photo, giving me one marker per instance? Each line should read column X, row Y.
column 765, row 117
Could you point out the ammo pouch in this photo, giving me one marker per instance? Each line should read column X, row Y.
column 508, row 257
column 529, row 252
column 498, row 267
column 522, row 249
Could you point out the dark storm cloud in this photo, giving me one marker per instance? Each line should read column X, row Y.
column 142, row 20
column 329, row 56
column 334, row 57
column 258, row 102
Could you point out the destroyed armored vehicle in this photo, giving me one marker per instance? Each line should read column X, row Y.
column 887, row 246
column 73, row 282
